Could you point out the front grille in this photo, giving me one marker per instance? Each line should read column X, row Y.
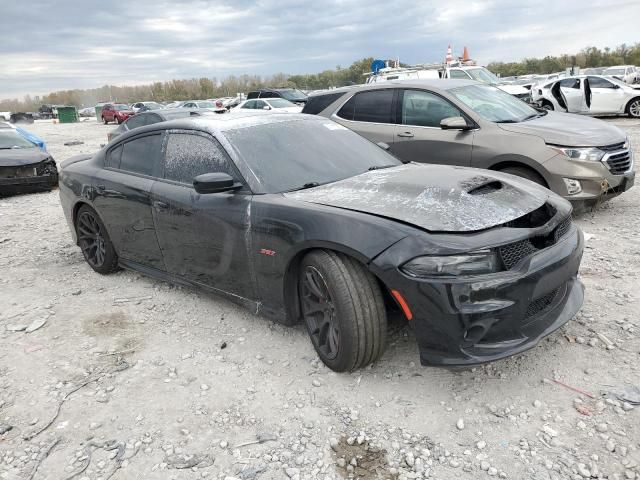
column 541, row 304
column 619, row 163
column 17, row 172
column 513, row 253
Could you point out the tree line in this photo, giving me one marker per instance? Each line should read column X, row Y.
column 202, row 88
column 589, row 57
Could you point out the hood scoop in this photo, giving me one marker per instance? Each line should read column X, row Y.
column 489, row 187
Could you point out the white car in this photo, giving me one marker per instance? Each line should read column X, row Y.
column 277, row 105
column 589, row 95
column 207, row 104
column 626, row 73
column 146, row 105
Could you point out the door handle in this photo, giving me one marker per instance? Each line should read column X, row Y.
column 406, row 135
column 160, row 205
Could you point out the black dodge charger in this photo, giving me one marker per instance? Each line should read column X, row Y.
column 300, row 219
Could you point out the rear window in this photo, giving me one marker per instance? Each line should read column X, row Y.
column 318, row 103
column 374, row 106
column 141, row 154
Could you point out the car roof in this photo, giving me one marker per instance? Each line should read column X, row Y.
column 431, row 83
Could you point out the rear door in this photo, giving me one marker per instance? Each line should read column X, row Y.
column 606, row 97
column 370, row 114
column 122, row 198
column 573, row 95
column 418, row 136
column 203, row 238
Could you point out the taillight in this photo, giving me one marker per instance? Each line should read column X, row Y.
column 218, row 103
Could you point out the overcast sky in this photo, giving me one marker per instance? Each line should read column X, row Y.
column 63, row 44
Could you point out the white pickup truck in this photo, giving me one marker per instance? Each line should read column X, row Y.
column 5, row 116
column 465, row 72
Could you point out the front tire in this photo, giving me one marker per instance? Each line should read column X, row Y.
column 633, row 109
column 94, row 241
column 105, row 120
column 547, row 105
column 527, row 173
column 343, row 308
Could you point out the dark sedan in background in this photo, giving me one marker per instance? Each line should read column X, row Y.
column 333, row 231
column 149, row 118
column 24, row 167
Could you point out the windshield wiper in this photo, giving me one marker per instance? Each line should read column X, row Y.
column 380, row 167
column 305, row 186
column 508, row 120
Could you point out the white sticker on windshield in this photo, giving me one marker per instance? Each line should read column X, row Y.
column 334, row 126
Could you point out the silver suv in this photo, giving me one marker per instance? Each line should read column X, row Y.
column 460, row 122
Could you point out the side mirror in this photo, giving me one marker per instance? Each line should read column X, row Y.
column 214, row 183
column 454, row 123
column 266, row 107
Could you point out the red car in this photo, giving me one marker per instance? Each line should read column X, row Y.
column 116, row 112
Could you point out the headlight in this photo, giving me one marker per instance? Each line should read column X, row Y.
column 589, row 154
column 627, row 143
column 475, row 263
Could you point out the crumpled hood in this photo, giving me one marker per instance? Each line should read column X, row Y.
column 438, row 198
column 18, row 157
column 569, row 130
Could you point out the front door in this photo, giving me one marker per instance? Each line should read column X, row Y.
column 570, row 94
column 203, row 238
column 418, row 136
column 122, row 198
column 606, row 97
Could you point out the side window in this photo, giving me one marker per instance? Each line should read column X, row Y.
column 458, row 74
column 152, row 118
column 598, row 82
column 318, row 103
column 250, row 104
column 373, row 106
column 113, row 157
column 253, row 95
column 570, row 83
column 426, row 109
column 136, row 121
column 141, row 154
column 259, row 105
column 269, row 95
column 189, row 155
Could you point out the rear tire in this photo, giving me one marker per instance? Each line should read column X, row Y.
column 94, row 241
column 526, row 172
column 104, row 120
column 343, row 309
column 633, row 108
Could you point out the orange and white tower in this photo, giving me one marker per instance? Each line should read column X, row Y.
column 449, row 57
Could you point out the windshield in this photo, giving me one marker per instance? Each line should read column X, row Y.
column 483, row 75
column 494, row 104
column 206, row 104
column 121, row 107
column 281, row 103
column 11, row 139
column 329, row 152
column 614, row 71
column 293, row 95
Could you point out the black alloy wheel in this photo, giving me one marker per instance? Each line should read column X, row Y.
column 319, row 313
column 342, row 306
column 94, row 241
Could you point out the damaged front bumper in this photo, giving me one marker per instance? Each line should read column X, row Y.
column 473, row 320
column 10, row 186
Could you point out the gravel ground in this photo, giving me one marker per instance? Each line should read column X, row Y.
column 160, row 382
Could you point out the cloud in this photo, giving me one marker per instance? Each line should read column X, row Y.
column 68, row 44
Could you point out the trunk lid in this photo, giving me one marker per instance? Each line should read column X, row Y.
column 437, row 198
